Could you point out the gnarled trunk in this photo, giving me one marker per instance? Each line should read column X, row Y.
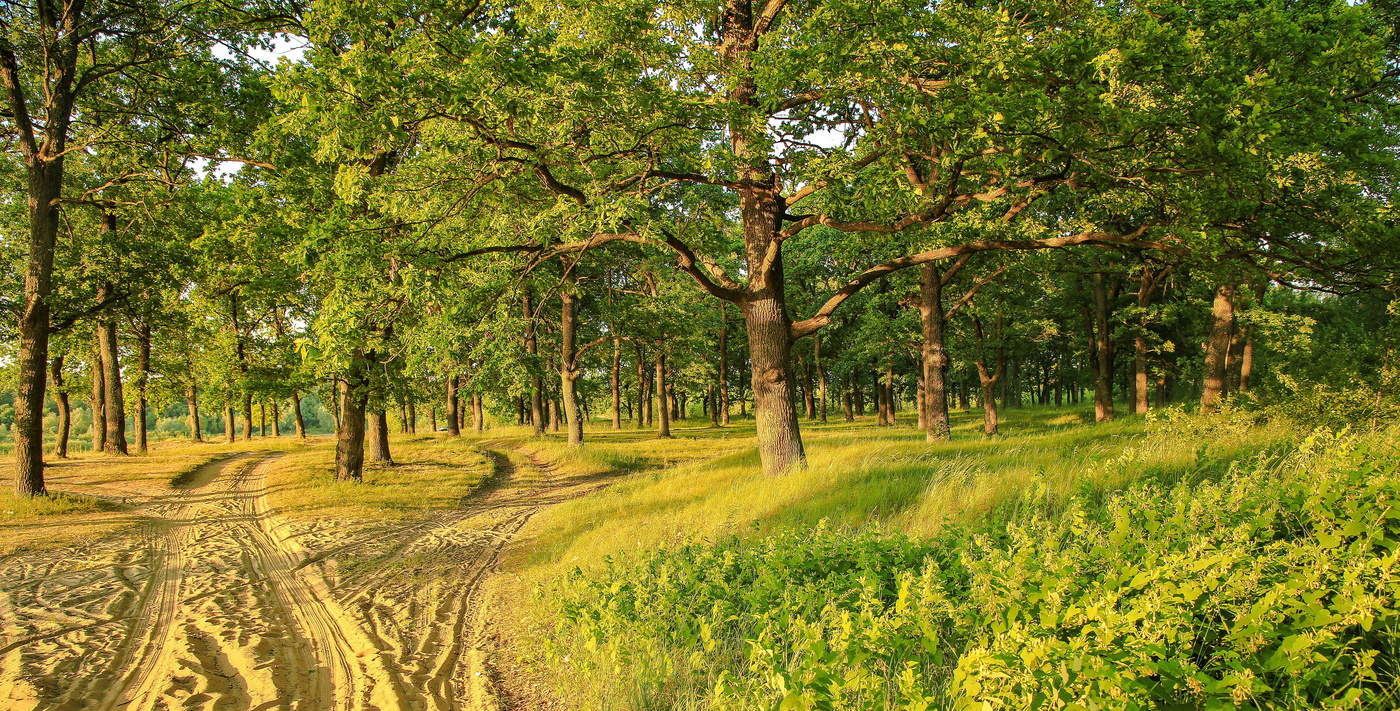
column 45, row 174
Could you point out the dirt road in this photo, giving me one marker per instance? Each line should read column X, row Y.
column 217, row 604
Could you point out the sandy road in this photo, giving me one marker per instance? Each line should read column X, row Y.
column 217, row 604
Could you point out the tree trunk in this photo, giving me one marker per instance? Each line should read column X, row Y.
column 378, row 435
column 143, row 369
column 1222, row 322
column 412, row 417
column 664, row 429
column 262, row 419
column 1103, row 353
column 297, row 418
column 537, row 413
column 113, row 402
column 848, row 405
column 98, row 429
column 643, row 396
column 192, row 405
column 45, row 179
column 350, row 439
column 935, row 356
column 248, row 416
column 276, row 420
column 821, row 376
column 65, row 409
column 770, row 343
column 568, row 364
column 432, row 418
column 724, row 366
column 453, row 429
column 478, row 413
column 809, row 394
column 615, row 383
column 987, row 380
column 230, row 432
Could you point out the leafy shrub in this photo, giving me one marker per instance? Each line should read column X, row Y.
column 1270, row 584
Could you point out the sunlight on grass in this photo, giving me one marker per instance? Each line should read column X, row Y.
column 428, row 473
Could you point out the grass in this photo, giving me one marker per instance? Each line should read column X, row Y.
column 859, row 478
column 429, row 473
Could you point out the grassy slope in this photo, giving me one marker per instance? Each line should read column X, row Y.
column 860, row 476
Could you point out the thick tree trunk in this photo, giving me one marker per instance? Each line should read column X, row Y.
column 98, row 429
column 989, row 401
column 615, row 383
column 192, row 408
column 935, row 356
column 45, row 174
column 276, row 420
column 1103, row 353
column 848, row 406
column 664, row 429
column 478, row 413
column 378, row 435
column 143, row 369
column 412, row 417
column 297, row 418
column 65, row 409
column 230, row 431
column 770, row 343
column 1222, row 323
column 350, row 439
column 453, row 402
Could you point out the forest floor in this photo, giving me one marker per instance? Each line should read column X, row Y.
column 245, row 582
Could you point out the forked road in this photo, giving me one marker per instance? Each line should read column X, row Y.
column 216, row 604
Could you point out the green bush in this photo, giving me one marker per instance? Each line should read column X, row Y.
column 1271, row 584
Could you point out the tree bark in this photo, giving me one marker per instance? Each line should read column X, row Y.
column 230, row 431
column 615, row 383
column 412, row 417
column 248, row 417
column 987, row 380
column 114, row 405
column 192, row 406
column 770, row 344
column 724, row 366
column 664, row 429
column 1103, row 353
column 378, row 435
column 453, row 428
column 935, row 355
column 99, row 394
column 568, row 365
column 478, row 413
column 350, row 439
column 276, row 420
column 143, row 370
column 65, row 409
column 643, row 396
column 809, row 394
column 1222, row 322
column 297, row 418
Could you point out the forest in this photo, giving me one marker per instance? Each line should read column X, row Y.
column 730, row 354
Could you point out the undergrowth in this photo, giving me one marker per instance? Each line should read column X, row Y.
column 1216, row 562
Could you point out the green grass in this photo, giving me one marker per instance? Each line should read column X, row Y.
column 429, row 473
column 746, row 604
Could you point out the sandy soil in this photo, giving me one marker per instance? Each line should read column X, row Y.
column 216, row 603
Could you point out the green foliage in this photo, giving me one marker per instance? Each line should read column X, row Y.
column 1271, row 583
